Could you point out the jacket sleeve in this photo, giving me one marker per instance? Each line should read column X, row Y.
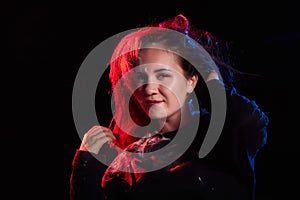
column 244, row 134
column 86, row 177
column 246, row 118
column 87, row 173
column 252, row 123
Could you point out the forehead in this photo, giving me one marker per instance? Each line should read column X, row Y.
column 159, row 58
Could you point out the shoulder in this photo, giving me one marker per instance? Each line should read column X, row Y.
column 244, row 108
column 240, row 108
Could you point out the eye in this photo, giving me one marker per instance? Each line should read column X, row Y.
column 140, row 77
column 162, row 76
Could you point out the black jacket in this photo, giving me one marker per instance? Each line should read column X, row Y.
column 227, row 172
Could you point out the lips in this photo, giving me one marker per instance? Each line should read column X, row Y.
column 153, row 102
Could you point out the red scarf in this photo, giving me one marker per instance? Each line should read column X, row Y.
column 130, row 164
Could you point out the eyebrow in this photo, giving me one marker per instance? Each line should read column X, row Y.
column 156, row 71
column 163, row 69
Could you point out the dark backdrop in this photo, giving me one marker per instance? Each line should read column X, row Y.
column 49, row 41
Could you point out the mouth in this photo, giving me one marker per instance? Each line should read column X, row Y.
column 153, row 102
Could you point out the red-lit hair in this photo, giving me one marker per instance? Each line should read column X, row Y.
column 125, row 57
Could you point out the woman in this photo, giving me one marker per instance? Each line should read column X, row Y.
column 164, row 83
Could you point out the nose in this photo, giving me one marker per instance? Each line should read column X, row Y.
column 150, row 89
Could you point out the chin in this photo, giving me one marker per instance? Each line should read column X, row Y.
column 157, row 112
column 157, row 116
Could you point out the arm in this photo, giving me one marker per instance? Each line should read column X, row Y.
column 248, row 118
column 86, row 176
column 245, row 133
column 88, row 165
column 252, row 123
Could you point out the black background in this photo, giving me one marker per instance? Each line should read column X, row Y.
column 49, row 41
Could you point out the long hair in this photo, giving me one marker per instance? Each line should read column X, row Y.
column 174, row 35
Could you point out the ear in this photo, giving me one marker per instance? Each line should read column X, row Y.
column 192, row 82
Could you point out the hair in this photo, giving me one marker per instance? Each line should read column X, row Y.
column 219, row 50
column 174, row 35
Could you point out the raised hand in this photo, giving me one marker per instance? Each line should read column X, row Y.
column 94, row 139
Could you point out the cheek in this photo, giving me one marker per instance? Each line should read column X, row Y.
column 176, row 96
column 179, row 88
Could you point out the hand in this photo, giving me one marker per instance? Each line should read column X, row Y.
column 213, row 75
column 94, row 139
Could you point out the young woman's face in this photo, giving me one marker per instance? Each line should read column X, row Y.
column 161, row 84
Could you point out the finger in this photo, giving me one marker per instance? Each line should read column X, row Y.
column 99, row 137
column 102, row 130
column 102, row 141
column 97, row 133
column 95, row 145
column 93, row 128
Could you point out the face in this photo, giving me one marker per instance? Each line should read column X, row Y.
column 162, row 87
